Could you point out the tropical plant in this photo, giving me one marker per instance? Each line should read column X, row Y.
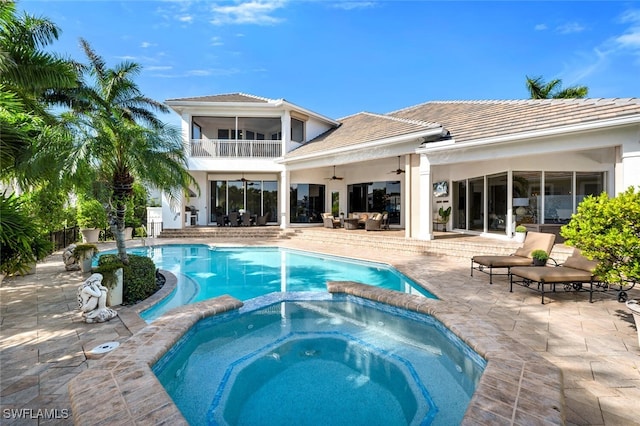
column 20, row 243
column 31, row 81
column 444, row 214
column 540, row 255
column 116, row 130
column 539, row 89
column 608, row 230
column 91, row 214
column 139, row 276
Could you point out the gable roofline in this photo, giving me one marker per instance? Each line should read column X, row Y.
column 241, row 100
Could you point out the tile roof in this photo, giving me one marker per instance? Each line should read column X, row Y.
column 475, row 120
column 227, row 97
column 361, row 128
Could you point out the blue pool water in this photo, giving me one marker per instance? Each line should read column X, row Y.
column 205, row 272
column 339, row 360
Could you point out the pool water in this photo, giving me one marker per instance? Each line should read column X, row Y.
column 336, row 360
column 206, row 272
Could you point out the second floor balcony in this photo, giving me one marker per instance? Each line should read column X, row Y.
column 235, row 148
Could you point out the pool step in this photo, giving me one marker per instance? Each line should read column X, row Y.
column 214, row 232
column 444, row 244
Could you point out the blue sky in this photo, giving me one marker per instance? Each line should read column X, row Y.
column 339, row 58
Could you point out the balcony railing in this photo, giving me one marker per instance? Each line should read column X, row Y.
column 231, row 148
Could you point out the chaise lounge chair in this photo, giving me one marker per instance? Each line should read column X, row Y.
column 522, row 256
column 573, row 273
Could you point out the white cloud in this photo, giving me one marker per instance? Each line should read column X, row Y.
column 186, row 19
column 626, row 43
column 351, row 5
column 256, row 12
column 540, row 27
column 158, row 68
column 570, row 28
column 216, row 41
column 146, row 44
column 630, row 40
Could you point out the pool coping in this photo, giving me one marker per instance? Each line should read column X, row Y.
column 517, row 386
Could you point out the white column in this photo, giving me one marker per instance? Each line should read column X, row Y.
column 186, row 132
column 630, row 167
column 426, row 200
column 286, row 131
column 408, row 196
column 285, row 177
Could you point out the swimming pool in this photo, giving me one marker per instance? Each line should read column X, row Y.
column 205, row 272
column 321, row 360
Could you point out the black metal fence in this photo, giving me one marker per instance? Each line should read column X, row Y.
column 64, row 237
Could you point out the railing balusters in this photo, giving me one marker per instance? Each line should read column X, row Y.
column 229, row 148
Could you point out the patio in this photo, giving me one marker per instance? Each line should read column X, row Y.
column 43, row 343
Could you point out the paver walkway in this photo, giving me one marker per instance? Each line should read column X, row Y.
column 44, row 343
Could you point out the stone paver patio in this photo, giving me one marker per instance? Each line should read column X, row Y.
column 44, row 343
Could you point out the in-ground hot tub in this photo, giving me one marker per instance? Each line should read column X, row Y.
column 344, row 361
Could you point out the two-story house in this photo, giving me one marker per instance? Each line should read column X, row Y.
column 495, row 163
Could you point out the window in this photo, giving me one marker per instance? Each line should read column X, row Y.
column 376, row 197
column 196, row 131
column 476, row 204
column 497, row 199
column 297, row 130
column 307, row 203
column 558, row 197
column 459, row 204
column 223, row 133
column 257, row 196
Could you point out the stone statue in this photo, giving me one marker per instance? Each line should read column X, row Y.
column 92, row 300
column 70, row 261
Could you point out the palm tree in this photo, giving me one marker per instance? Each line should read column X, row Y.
column 118, row 135
column 31, row 81
column 539, row 89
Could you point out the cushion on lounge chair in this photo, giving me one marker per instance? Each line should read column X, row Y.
column 552, row 274
column 502, row 261
column 578, row 261
column 536, row 241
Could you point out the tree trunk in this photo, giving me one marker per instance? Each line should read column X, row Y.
column 117, row 228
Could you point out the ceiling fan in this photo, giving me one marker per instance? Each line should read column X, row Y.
column 334, row 177
column 398, row 170
column 247, row 181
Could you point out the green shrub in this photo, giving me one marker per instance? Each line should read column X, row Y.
column 91, row 214
column 608, row 230
column 139, row 276
column 540, row 255
column 521, row 228
column 21, row 242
